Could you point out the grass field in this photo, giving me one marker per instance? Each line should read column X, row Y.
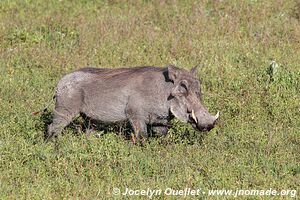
column 250, row 53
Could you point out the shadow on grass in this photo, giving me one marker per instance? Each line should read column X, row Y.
column 46, row 117
column 84, row 125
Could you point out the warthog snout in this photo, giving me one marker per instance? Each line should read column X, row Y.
column 204, row 121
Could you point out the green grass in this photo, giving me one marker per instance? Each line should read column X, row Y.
column 255, row 146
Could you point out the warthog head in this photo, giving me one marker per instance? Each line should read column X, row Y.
column 186, row 99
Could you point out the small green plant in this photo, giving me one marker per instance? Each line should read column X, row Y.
column 272, row 71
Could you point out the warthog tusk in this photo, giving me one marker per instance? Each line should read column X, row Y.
column 194, row 116
column 217, row 115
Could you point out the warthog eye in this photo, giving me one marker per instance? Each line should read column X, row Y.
column 181, row 89
column 183, row 84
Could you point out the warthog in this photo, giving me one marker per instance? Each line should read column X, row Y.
column 142, row 96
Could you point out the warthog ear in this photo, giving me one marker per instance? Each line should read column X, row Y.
column 172, row 73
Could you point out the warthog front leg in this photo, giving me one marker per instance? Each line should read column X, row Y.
column 136, row 116
column 140, row 130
